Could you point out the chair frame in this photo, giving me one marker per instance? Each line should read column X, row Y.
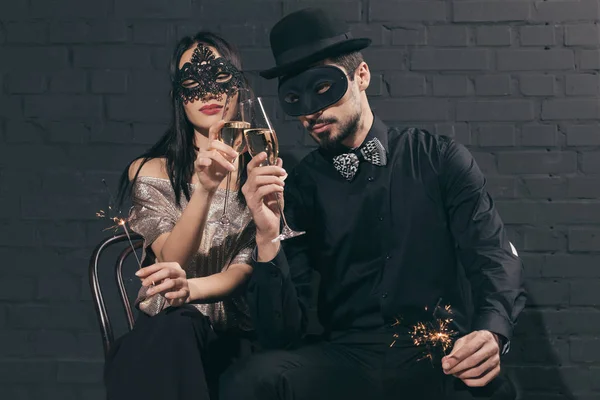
column 106, row 328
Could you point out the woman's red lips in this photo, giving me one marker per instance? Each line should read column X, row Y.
column 211, row 109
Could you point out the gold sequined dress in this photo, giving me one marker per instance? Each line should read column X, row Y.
column 155, row 212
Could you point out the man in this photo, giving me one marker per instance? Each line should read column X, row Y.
column 394, row 220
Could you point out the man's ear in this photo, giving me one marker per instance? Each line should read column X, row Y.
column 362, row 76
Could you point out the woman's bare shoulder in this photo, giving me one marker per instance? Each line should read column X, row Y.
column 155, row 168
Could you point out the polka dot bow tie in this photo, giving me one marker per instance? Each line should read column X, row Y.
column 371, row 151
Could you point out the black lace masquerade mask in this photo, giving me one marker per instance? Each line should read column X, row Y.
column 206, row 75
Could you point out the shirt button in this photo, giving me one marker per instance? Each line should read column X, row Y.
column 384, row 295
column 370, row 179
column 381, row 218
column 387, row 256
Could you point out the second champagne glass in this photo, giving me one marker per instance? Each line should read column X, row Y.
column 261, row 137
column 232, row 133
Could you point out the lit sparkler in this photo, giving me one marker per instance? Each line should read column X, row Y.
column 432, row 335
column 119, row 222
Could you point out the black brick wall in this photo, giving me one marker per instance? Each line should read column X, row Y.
column 83, row 89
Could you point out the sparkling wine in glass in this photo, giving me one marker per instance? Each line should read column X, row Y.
column 232, row 133
column 261, row 137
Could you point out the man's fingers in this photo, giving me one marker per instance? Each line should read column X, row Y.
column 472, row 344
column 256, row 161
column 483, row 380
column 263, row 180
column 474, row 360
column 266, row 190
column 479, row 370
column 213, row 131
column 267, row 170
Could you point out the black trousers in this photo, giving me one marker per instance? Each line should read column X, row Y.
column 174, row 355
column 352, row 366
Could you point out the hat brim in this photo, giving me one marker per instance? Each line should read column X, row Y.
column 347, row 46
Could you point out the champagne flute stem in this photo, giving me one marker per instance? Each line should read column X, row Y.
column 226, row 195
column 267, row 162
column 281, row 211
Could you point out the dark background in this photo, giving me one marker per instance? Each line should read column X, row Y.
column 83, row 89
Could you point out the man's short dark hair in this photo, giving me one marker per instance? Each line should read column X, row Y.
column 349, row 61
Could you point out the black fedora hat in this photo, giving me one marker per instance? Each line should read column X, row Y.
column 307, row 36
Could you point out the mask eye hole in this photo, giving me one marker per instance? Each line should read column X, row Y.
column 323, row 87
column 223, row 77
column 291, row 98
column 190, row 84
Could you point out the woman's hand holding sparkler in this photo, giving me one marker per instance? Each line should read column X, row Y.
column 167, row 278
column 213, row 164
column 475, row 358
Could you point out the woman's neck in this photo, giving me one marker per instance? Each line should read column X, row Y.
column 200, row 139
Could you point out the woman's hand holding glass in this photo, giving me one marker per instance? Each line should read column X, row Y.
column 214, row 163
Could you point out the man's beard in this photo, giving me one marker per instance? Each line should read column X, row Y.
column 347, row 130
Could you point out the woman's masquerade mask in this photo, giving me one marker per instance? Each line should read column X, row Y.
column 312, row 90
column 207, row 75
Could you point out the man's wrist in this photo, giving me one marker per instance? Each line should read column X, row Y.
column 266, row 249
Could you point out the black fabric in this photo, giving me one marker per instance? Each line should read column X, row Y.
column 395, row 241
column 352, row 366
column 389, row 243
column 174, row 355
column 307, row 36
column 312, row 90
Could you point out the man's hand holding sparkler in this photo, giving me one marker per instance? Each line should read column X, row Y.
column 168, row 279
column 475, row 358
column 213, row 163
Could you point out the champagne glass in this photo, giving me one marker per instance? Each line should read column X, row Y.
column 261, row 137
column 232, row 133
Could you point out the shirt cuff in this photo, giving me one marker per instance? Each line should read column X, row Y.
column 274, row 268
column 497, row 324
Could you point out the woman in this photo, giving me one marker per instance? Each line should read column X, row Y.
column 193, row 321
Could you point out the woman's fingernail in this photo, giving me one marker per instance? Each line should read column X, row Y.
column 150, row 292
column 138, row 273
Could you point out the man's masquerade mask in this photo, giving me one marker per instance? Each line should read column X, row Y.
column 312, row 90
column 207, row 75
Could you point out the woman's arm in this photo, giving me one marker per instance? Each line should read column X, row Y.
column 180, row 244
column 216, row 287
column 211, row 167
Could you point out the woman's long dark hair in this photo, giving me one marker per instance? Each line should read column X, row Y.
column 177, row 146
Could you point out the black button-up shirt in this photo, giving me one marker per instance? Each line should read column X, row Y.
column 394, row 240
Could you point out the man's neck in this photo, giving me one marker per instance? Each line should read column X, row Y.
column 364, row 126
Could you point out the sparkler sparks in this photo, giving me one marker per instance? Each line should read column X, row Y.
column 431, row 335
column 118, row 222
